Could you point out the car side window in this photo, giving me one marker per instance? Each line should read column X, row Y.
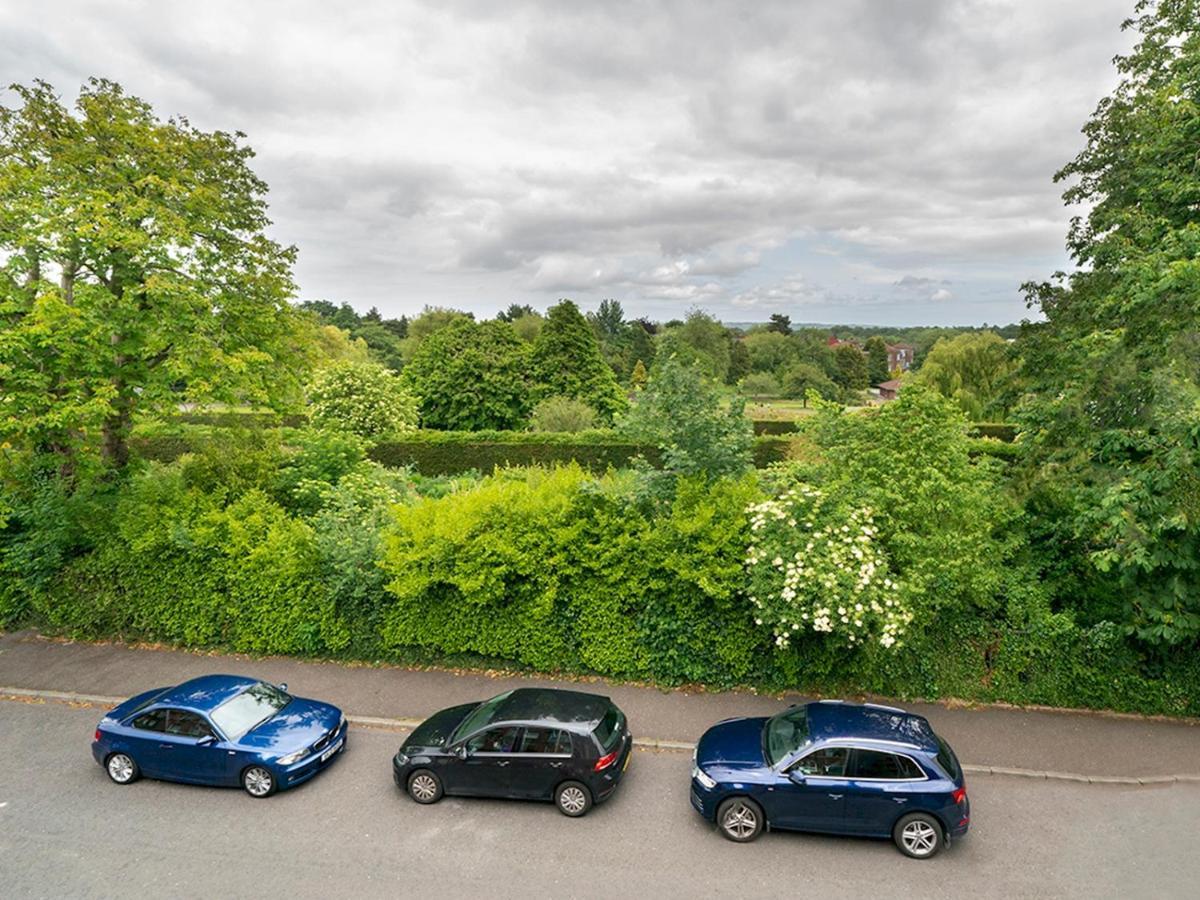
column 187, row 724
column 877, row 764
column 494, row 740
column 155, row 720
column 541, row 740
column 827, row 763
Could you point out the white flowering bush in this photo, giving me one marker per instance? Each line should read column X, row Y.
column 362, row 398
column 815, row 566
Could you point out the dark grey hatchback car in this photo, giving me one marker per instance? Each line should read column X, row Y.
column 528, row 744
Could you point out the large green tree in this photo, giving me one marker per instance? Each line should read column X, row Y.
column 567, row 363
column 877, row 359
column 471, row 376
column 974, row 369
column 136, row 271
column 1112, row 418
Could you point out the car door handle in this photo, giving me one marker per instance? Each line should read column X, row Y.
column 900, row 799
column 556, row 765
column 835, row 796
column 165, row 746
column 503, row 762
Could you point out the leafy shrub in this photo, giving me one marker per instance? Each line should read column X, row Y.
column 364, row 399
column 686, row 417
column 814, row 567
column 556, row 571
column 562, row 414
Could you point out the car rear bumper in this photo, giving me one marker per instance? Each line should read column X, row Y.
column 603, row 784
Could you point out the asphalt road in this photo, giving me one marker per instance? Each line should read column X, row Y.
column 67, row 831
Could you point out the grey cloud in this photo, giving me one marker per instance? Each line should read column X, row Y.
column 667, row 153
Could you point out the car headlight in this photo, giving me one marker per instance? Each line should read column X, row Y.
column 342, row 722
column 292, row 757
column 402, row 758
column 701, row 776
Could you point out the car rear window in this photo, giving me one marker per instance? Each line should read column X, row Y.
column 948, row 761
column 608, row 732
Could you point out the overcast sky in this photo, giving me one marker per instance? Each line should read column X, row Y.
column 859, row 161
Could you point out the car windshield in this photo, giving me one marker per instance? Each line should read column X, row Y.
column 785, row 733
column 256, row 704
column 479, row 716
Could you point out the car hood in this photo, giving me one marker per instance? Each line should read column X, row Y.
column 293, row 728
column 436, row 730
column 732, row 744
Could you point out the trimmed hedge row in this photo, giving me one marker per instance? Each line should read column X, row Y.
column 1000, row 431
column 453, row 452
column 243, row 419
column 775, row 426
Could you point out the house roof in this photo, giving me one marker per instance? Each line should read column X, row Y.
column 893, row 385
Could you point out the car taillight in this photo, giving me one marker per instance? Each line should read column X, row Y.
column 96, row 736
column 605, row 761
column 960, row 795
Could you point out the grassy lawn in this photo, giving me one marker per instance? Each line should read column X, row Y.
column 777, row 409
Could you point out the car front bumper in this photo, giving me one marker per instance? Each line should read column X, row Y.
column 300, row 772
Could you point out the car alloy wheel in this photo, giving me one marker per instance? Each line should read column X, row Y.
column 918, row 836
column 740, row 819
column 573, row 799
column 258, row 782
column 425, row 787
column 121, row 768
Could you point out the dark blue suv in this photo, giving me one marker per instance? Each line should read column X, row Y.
column 833, row 767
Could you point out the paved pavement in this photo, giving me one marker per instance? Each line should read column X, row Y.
column 1094, row 745
column 67, row 831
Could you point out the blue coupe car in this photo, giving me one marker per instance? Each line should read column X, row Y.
column 836, row 768
column 220, row 730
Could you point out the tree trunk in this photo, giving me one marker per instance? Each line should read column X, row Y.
column 115, row 439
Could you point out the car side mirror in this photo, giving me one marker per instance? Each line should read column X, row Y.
column 207, row 741
column 796, row 777
column 461, row 751
column 283, row 686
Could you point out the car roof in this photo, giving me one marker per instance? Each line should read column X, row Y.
column 573, row 710
column 205, row 693
column 832, row 721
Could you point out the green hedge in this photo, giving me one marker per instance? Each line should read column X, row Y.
column 1000, row 431
column 775, row 426
column 243, row 419
column 452, row 457
column 452, row 452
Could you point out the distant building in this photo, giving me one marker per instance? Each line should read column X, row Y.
column 834, row 341
column 900, row 357
column 889, row 389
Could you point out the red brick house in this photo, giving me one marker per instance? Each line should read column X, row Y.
column 900, row 356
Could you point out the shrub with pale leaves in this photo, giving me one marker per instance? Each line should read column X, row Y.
column 815, row 566
column 362, row 398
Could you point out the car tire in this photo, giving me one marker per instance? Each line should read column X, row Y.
column 919, row 835
column 121, row 768
column 740, row 819
column 573, row 799
column 258, row 782
column 425, row 787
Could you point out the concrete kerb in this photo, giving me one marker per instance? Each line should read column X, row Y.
column 407, row 724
